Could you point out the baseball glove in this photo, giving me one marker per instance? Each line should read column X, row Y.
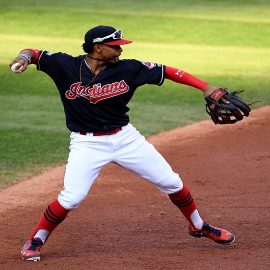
column 226, row 107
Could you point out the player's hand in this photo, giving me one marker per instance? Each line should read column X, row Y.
column 18, row 65
column 209, row 89
column 226, row 107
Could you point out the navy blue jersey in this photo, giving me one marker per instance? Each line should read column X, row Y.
column 92, row 103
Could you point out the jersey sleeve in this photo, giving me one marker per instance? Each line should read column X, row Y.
column 53, row 63
column 147, row 73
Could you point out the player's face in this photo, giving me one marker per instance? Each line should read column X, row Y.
column 111, row 53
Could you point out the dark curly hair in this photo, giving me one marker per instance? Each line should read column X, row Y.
column 88, row 48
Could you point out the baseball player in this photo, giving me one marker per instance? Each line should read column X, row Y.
column 95, row 89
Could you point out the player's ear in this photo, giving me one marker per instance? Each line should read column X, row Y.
column 98, row 48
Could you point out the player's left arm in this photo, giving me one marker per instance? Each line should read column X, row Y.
column 223, row 106
column 180, row 76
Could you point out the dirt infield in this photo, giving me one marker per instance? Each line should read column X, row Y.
column 125, row 223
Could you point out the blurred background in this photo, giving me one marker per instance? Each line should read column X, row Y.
column 224, row 42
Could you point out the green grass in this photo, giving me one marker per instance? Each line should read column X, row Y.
column 224, row 42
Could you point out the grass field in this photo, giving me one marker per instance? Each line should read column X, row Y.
column 224, row 42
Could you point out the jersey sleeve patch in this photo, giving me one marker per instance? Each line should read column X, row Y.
column 150, row 65
column 49, row 53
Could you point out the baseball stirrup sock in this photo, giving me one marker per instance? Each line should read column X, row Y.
column 184, row 201
column 53, row 216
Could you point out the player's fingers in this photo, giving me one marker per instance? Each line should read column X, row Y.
column 19, row 59
column 18, row 67
column 224, row 100
column 19, row 64
column 11, row 63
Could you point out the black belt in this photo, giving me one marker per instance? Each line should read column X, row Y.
column 103, row 132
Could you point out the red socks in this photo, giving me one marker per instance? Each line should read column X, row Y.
column 52, row 217
column 184, row 201
column 55, row 213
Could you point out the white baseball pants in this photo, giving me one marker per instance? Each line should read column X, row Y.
column 128, row 148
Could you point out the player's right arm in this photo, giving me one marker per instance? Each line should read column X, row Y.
column 24, row 58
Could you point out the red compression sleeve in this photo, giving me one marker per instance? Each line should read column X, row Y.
column 36, row 55
column 183, row 77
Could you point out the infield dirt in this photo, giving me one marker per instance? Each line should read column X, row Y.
column 125, row 223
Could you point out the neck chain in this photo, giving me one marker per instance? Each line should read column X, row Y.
column 81, row 78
